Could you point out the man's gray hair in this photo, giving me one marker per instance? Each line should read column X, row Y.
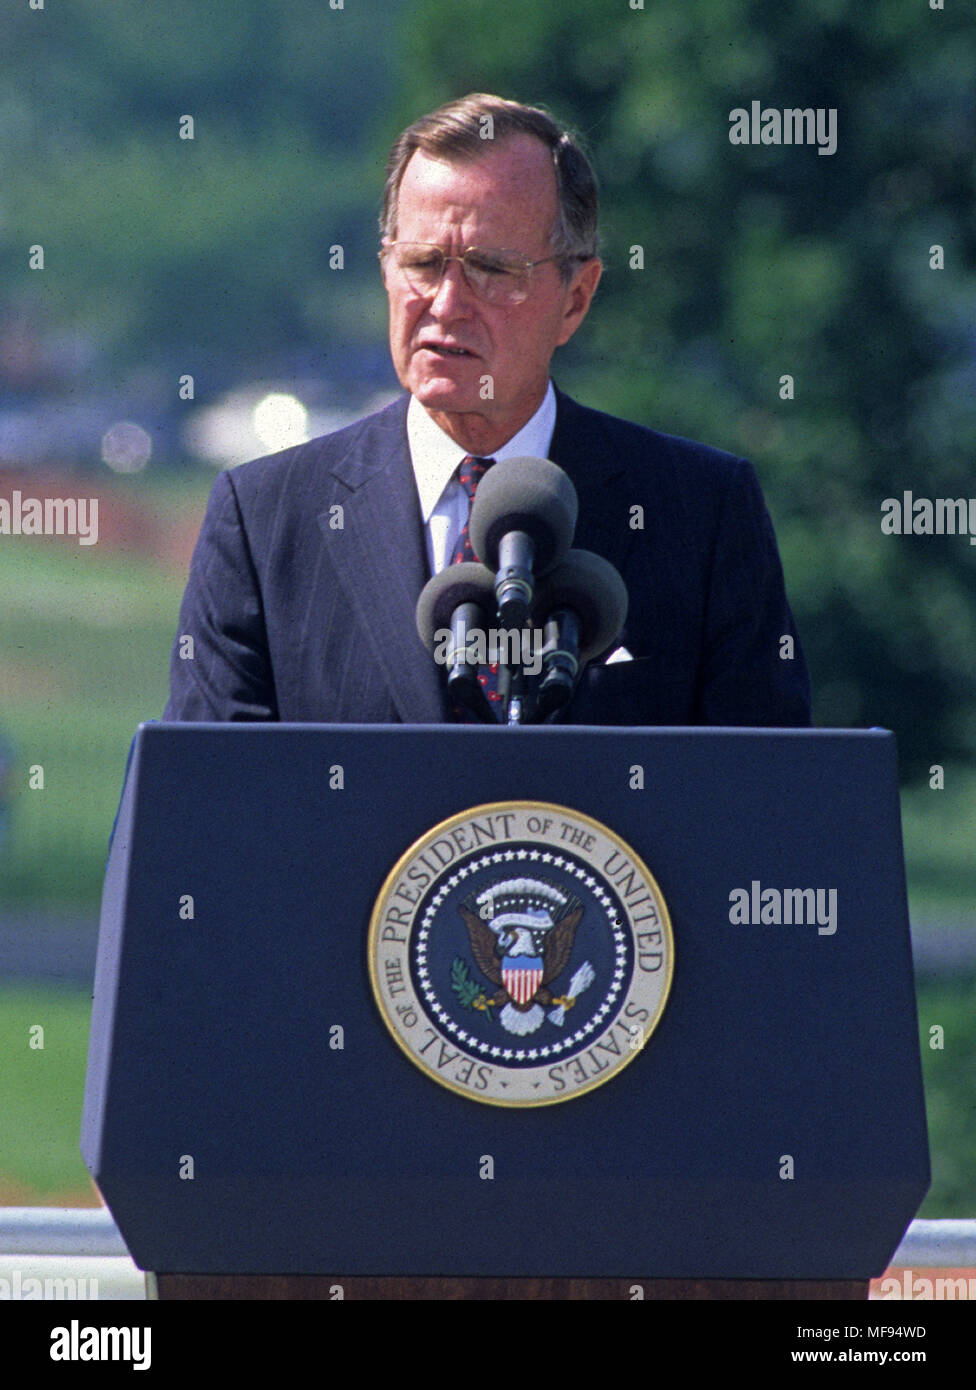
column 456, row 132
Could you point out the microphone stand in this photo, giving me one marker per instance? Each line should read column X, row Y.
column 561, row 667
column 512, row 688
column 467, row 621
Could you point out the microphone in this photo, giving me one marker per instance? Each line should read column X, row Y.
column 522, row 522
column 453, row 612
column 581, row 607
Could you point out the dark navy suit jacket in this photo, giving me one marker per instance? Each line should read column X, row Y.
column 297, row 619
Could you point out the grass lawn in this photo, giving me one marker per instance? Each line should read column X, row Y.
column 41, row 1092
column 84, row 658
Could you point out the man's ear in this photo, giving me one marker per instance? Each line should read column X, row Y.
column 580, row 291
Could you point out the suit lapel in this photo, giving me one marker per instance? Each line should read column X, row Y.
column 580, row 446
column 385, row 562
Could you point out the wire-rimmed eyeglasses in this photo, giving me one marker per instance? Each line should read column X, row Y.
column 498, row 277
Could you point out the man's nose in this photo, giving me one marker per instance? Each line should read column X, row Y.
column 454, row 294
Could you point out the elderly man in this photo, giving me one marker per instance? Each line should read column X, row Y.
column 305, row 578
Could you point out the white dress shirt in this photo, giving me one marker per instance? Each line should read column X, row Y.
column 435, row 458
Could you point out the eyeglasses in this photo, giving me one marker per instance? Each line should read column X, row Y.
column 498, row 277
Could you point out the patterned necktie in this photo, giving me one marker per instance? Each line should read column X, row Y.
column 470, row 473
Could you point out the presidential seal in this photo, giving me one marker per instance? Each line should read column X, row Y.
column 520, row 953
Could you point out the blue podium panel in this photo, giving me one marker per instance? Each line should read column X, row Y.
column 248, row 1110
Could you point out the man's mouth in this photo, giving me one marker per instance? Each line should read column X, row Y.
column 446, row 350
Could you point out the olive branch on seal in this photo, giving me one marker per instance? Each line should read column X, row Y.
column 466, row 989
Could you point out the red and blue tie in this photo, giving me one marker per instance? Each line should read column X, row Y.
column 470, row 473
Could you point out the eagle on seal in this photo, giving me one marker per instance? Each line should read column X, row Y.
column 522, row 934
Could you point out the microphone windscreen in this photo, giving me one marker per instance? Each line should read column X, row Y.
column 467, row 582
column 591, row 588
column 524, row 494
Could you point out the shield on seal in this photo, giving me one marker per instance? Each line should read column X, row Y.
column 522, row 976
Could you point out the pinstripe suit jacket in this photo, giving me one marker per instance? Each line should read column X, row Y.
column 296, row 618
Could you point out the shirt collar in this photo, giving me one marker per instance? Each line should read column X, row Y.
column 435, row 455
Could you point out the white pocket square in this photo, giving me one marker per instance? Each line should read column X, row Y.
column 621, row 654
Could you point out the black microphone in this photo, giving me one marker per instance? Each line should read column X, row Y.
column 581, row 607
column 522, row 521
column 454, row 611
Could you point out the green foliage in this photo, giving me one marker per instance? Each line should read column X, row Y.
column 167, row 244
column 767, row 260
column 939, row 830
column 466, row 989
column 760, row 261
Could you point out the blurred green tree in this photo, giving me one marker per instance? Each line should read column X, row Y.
column 758, row 261
column 219, row 243
column 762, row 261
